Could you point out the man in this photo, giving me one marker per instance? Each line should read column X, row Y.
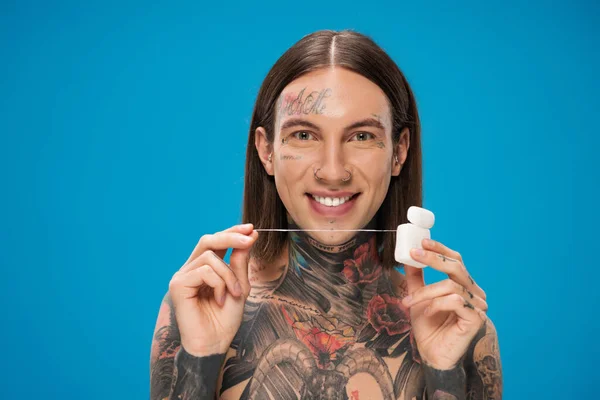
column 320, row 312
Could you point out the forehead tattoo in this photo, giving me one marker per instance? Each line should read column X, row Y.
column 300, row 103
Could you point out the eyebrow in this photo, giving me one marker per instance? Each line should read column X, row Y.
column 372, row 122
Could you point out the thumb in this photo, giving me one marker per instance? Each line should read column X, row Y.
column 238, row 261
column 414, row 278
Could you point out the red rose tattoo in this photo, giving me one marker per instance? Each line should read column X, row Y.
column 365, row 266
column 387, row 315
column 385, row 312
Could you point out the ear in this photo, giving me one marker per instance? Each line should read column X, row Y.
column 264, row 149
column 401, row 151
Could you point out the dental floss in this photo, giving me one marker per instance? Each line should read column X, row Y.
column 408, row 236
column 325, row 230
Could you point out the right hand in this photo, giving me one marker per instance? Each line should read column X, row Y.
column 208, row 295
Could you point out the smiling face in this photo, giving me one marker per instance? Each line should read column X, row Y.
column 332, row 155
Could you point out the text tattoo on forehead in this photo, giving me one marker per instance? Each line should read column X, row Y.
column 313, row 103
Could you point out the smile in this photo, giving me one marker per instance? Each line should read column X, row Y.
column 327, row 205
column 331, row 201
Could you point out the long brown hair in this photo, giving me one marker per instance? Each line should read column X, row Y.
column 358, row 53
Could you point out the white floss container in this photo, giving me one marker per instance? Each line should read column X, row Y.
column 409, row 236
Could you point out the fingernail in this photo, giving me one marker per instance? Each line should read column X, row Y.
column 222, row 300
column 418, row 252
column 427, row 242
column 237, row 288
column 407, row 299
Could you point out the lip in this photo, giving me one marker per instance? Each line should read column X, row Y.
column 337, row 211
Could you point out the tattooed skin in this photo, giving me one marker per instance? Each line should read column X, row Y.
column 194, row 377
column 297, row 104
column 445, row 258
column 165, row 346
column 288, row 157
column 483, row 365
column 330, row 324
column 446, row 384
column 441, row 395
column 468, row 292
column 332, row 315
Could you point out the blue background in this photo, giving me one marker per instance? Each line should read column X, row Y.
column 123, row 129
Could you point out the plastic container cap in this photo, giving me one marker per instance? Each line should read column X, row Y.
column 421, row 217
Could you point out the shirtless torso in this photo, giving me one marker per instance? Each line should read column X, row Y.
column 324, row 323
column 334, row 331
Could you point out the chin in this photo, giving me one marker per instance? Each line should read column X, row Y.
column 333, row 238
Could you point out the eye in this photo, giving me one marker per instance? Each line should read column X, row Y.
column 302, row 135
column 362, row 136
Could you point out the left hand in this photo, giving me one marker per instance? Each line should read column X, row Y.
column 445, row 315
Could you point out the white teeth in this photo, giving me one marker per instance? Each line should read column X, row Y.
column 331, row 201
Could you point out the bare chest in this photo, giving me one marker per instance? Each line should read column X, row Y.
column 288, row 347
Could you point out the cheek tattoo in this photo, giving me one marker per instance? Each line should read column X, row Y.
column 288, row 157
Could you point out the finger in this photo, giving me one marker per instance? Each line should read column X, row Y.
column 444, row 288
column 443, row 250
column 222, row 269
column 235, row 237
column 414, row 278
column 438, row 247
column 213, row 280
column 454, row 268
column 456, row 303
column 244, row 229
column 239, row 265
column 196, row 279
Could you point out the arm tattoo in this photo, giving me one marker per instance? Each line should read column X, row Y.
column 445, row 384
column 195, row 377
column 483, row 366
column 174, row 373
column 165, row 344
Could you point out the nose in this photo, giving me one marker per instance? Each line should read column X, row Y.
column 333, row 168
